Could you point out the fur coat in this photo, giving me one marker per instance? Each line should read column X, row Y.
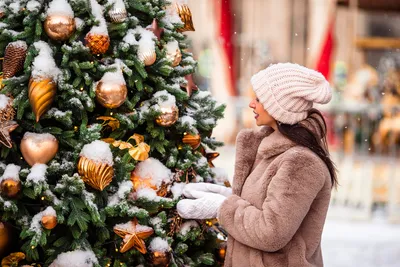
column 277, row 211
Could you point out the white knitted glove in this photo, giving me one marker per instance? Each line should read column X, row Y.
column 205, row 206
column 206, row 187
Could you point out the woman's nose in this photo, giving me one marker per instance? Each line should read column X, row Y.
column 252, row 104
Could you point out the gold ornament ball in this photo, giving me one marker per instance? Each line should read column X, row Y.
column 4, row 237
column 97, row 43
column 59, row 27
column 10, row 188
column 168, row 117
column 97, row 175
column 160, row 258
column 37, row 148
column 49, row 222
column 111, row 95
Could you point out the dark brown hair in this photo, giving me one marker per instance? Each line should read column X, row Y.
column 311, row 133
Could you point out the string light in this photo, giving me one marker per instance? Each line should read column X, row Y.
column 33, row 247
column 43, row 198
column 76, row 128
column 111, row 113
column 116, row 250
column 81, row 88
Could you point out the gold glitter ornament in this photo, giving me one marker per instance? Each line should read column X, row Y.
column 168, row 116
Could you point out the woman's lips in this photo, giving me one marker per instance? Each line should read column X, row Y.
column 256, row 115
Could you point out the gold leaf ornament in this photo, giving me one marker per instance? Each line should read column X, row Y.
column 13, row 259
column 110, row 121
column 42, row 92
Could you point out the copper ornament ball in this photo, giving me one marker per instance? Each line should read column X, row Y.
column 4, row 237
column 160, row 258
column 10, row 187
column 59, row 27
column 49, row 222
column 111, row 95
column 193, row 140
column 168, row 117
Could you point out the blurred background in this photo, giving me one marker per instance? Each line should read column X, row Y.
column 356, row 45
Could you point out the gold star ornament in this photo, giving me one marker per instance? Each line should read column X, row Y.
column 133, row 235
column 210, row 157
column 190, row 85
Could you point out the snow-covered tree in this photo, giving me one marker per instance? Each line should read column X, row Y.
column 101, row 127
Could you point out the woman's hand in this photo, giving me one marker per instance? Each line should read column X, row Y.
column 204, row 205
column 206, row 187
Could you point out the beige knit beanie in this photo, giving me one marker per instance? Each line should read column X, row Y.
column 288, row 91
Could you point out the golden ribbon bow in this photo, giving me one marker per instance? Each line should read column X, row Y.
column 139, row 152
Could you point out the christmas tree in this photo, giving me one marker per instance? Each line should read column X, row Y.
column 101, row 127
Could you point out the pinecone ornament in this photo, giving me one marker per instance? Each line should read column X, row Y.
column 14, row 58
column 97, row 43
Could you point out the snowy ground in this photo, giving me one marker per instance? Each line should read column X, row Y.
column 346, row 243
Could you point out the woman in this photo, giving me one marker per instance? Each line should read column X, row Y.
column 283, row 175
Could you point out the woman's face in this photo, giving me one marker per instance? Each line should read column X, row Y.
column 261, row 115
